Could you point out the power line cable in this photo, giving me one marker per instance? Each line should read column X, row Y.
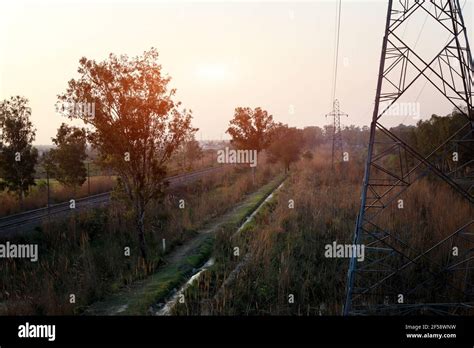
column 336, row 49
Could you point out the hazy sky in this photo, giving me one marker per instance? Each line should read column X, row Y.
column 220, row 55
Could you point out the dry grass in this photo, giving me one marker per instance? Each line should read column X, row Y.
column 38, row 195
column 84, row 254
column 285, row 247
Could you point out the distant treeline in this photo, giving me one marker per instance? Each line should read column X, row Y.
column 424, row 136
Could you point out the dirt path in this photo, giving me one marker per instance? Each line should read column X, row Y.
column 210, row 228
column 137, row 298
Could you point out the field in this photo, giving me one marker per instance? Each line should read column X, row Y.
column 282, row 268
column 91, row 262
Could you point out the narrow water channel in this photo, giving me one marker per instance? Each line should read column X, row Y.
column 169, row 305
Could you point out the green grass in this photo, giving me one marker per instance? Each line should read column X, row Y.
column 255, row 200
column 192, row 293
column 160, row 284
column 138, row 298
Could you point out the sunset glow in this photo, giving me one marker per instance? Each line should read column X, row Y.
column 212, row 72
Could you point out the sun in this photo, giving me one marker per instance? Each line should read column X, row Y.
column 212, row 72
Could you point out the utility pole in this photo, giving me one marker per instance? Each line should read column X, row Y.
column 414, row 266
column 47, row 185
column 88, row 179
column 337, row 148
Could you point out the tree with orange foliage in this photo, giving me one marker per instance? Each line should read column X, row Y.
column 135, row 124
column 250, row 129
column 286, row 146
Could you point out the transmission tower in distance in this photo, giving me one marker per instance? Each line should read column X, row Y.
column 337, row 149
column 418, row 265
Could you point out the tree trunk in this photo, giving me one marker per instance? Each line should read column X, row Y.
column 141, row 238
column 20, row 199
column 140, row 216
column 253, row 171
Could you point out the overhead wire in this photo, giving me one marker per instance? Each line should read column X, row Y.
column 336, row 48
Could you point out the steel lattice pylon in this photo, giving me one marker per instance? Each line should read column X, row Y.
column 337, row 150
column 427, row 277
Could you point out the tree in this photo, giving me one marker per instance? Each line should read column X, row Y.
column 192, row 151
column 355, row 136
column 286, row 146
column 313, row 136
column 429, row 134
column 251, row 129
column 18, row 157
column 136, row 125
column 67, row 159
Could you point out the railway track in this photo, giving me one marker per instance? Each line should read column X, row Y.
column 27, row 220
